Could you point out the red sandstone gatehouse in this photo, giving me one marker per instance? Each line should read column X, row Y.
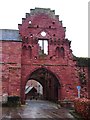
column 40, row 51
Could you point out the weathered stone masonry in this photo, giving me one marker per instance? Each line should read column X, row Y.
column 11, row 62
column 23, row 58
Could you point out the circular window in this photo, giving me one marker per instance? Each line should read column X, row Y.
column 43, row 33
column 30, row 22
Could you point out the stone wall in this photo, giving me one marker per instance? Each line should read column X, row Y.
column 11, row 67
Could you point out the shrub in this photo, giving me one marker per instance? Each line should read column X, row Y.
column 82, row 107
column 13, row 100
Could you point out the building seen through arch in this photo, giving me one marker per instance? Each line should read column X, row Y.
column 40, row 51
column 33, row 90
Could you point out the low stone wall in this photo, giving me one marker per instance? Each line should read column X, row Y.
column 67, row 104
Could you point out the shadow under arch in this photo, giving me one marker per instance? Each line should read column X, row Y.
column 48, row 80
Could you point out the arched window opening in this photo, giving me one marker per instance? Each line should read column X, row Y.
column 43, row 47
column 33, row 90
column 50, row 41
column 30, row 51
column 24, row 49
column 55, row 41
column 62, row 53
column 59, row 41
column 57, row 52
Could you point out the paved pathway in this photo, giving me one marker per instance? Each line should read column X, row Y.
column 37, row 109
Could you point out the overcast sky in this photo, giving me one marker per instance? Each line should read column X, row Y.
column 73, row 13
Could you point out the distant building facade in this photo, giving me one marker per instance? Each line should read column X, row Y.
column 39, row 51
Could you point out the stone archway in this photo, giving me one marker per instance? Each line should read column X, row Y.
column 49, row 81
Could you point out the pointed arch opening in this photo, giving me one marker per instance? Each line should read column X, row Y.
column 48, row 80
column 30, row 52
column 24, row 49
column 57, row 52
column 60, row 53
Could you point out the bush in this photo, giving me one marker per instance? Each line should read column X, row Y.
column 13, row 100
column 82, row 107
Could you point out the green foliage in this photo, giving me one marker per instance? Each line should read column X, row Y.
column 82, row 78
column 82, row 62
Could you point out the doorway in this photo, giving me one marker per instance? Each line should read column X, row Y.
column 49, row 82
